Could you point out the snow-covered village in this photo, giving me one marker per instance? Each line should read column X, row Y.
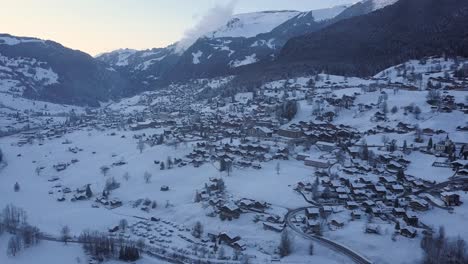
column 316, row 166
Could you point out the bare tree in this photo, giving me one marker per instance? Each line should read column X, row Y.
column 141, row 145
column 123, row 224
column 197, row 230
column 126, row 176
column 14, row 246
column 147, row 176
column 285, row 246
column 104, row 170
column 311, row 249
column 65, row 234
column 278, row 168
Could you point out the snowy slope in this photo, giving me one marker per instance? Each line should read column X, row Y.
column 10, row 40
column 251, row 24
column 378, row 4
column 118, row 57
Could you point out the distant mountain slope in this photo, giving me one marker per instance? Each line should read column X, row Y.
column 144, row 68
column 211, row 56
column 251, row 24
column 364, row 45
column 46, row 70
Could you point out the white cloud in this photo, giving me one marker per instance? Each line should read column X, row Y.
column 216, row 17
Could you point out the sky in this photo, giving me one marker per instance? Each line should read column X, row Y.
column 96, row 26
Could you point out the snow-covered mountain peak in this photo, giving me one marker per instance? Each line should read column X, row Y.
column 378, row 4
column 251, row 24
column 6, row 39
column 326, row 13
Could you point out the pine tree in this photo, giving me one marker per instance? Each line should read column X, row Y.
column 285, row 247
column 89, row 193
column 16, row 187
column 400, row 175
column 430, row 144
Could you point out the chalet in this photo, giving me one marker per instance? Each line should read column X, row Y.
column 343, row 197
column 290, row 133
column 325, row 146
column 352, row 205
column 380, row 190
column 411, row 219
column 336, row 222
column 355, row 215
column 239, row 245
column 398, row 188
column 313, row 225
column 387, row 179
column 408, row 232
column 302, row 156
column 312, row 212
column 230, row 211
column 450, row 198
column 394, row 166
column 273, row 227
column 317, row 163
column 142, row 125
column 228, row 238
column 326, row 210
column 115, row 203
column 357, row 185
column 372, row 229
column 342, row 190
column 399, row 212
column 252, row 204
column 418, row 204
column 261, row 132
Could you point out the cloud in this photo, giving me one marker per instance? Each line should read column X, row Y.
column 216, row 17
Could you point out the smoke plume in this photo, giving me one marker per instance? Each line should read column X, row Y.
column 216, row 17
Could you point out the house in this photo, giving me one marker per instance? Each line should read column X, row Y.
column 261, row 132
column 450, row 198
column 325, row 146
column 230, row 211
column 317, row 163
column 399, row 212
column 372, row 229
column 302, row 156
column 273, row 227
column 239, row 245
column 418, row 204
column 228, row 238
column 336, row 222
column 398, row 188
column 408, row 232
column 411, row 219
column 314, row 226
column 312, row 213
column 290, row 133
column 355, row 215
column 326, row 210
column 351, row 205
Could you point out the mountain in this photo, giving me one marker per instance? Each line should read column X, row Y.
column 251, row 24
column 46, row 70
column 143, row 68
column 233, row 46
column 364, row 45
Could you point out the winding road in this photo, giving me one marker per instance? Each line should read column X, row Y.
column 337, row 247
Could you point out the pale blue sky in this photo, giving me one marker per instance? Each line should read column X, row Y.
column 96, row 26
